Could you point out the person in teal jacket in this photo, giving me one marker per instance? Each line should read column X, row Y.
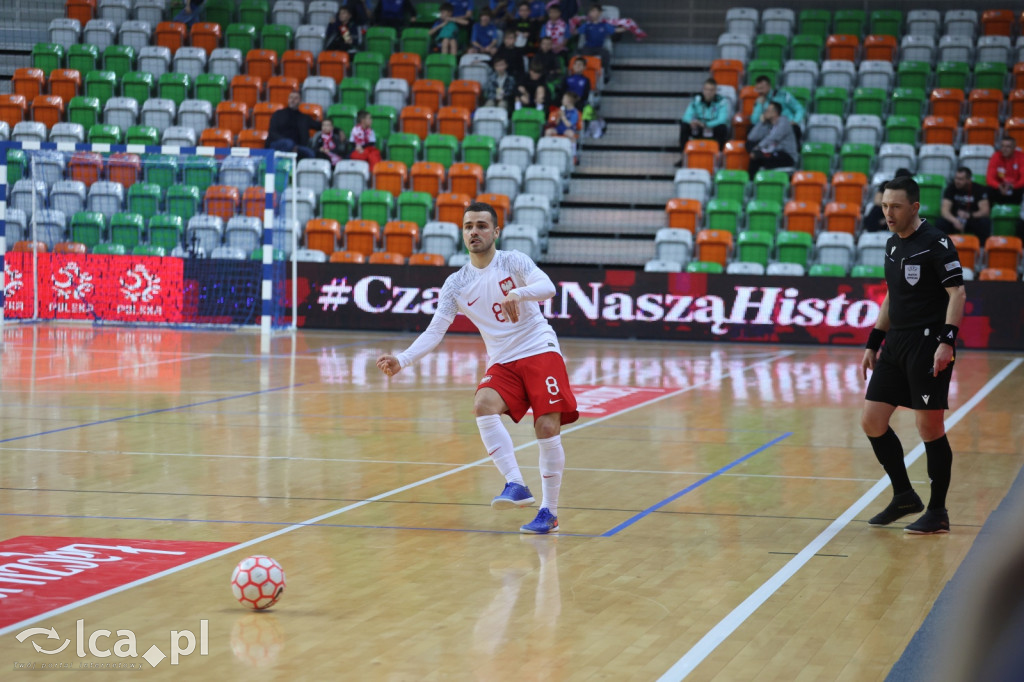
column 791, row 107
column 707, row 116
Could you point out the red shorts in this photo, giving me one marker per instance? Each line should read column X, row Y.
column 539, row 381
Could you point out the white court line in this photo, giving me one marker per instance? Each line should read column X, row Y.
column 725, row 627
column 356, row 505
column 114, row 368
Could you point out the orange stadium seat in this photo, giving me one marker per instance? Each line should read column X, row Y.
column 736, row 156
column 361, row 236
column 428, row 177
column 261, row 63
column 701, row 154
column 996, row 22
column 70, row 247
column 451, row 206
column 232, row 116
column 985, row 102
column 323, row 234
column 261, row 114
column 714, row 246
column 1016, row 102
column 997, row 275
column 85, row 167
column 809, row 186
column 802, row 216
column 333, row 64
column 592, row 70
column 47, row 109
column 939, row 130
column 1018, row 75
column 840, row 217
column 465, row 178
column 948, row 102
column 314, row 111
column 222, row 201
column 426, row 259
column 390, row 176
column 124, row 169
column 1015, row 129
column 29, row 82
column 428, row 94
column 501, row 205
column 1003, row 252
column 841, row 47
column 65, row 83
column 29, row 247
column 727, row 72
column 464, row 94
column 83, row 10
column 417, row 120
column 206, row 35
column 848, row 187
column 740, row 129
column 405, row 65
column 386, row 258
column 684, row 213
column 247, row 89
column 347, row 257
column 748, row 98
column 401, row 236
column 879, row 48
column 981, row 130
column 254, row 200
column 170, row 34
column 279, row 87
column 12, row 109
column 967, row 248
column 455, row 121
column 297, row 64
column 216, row 137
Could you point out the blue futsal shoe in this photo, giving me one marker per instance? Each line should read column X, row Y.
column 514, row 495
column 542, row 525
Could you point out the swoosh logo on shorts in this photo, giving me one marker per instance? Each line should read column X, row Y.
column 474, row 300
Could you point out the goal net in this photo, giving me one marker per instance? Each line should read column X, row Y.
column 146, row 234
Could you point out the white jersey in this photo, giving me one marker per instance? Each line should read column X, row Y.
column 478, row 294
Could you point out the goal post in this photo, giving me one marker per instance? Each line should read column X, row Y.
column 147, row 234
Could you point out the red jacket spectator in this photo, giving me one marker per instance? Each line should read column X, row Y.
column 1005, row 176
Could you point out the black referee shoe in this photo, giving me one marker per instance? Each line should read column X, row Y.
column 932, row 522
column 901, row 505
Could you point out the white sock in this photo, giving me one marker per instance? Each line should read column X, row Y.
column 552, row 462
column 499, row 446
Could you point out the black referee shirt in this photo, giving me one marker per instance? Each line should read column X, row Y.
column 917, row 271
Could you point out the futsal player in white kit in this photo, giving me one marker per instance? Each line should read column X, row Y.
column 499, row 292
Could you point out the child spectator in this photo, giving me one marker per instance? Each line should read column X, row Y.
column 445, row 31
column 364, row 140
column 512, row 55
column 500, row 89
column 462, row 12
column 484, row 38
column 538, row 10
column 499, row 10
column 526, row 30
column 327, row 143
column 533, row 88
column 551, row 62
column 576, row 82
column 343, row 34
column 556, row 29
column 567, row 123
column 594, row 31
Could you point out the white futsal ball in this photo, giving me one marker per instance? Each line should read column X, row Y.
column 257, row 582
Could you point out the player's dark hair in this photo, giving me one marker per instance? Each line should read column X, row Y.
column 908, row 185
column 966, row 171
column 482, row 206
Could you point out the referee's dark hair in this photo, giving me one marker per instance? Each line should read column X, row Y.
column 908, row 185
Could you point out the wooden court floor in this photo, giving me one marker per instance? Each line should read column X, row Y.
column 713, row 508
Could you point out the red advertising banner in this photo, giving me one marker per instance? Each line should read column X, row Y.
column 94, row 287
column 44, row 573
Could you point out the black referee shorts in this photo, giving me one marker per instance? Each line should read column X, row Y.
column 903, row 373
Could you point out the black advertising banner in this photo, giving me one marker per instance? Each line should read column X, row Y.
column 664, row 306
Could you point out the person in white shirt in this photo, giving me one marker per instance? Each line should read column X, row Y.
column 499, row 292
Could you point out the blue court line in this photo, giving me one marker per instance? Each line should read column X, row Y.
column 150, row 412
column 630, row 521
column 285, row 523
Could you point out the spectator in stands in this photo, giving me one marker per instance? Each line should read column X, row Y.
column 364, row 140
column 484, row 38
column 190, row 13
column 707, row 116
column 550, row 62
column 512, row 55
column 874, row 221
column 576, row 82
column 526, row 30
column 791, row 107
column 965, row 207
column 500, row 88
column 773, row 140
column 343, row 34
column 393, row 13
column 533, row 88
column 360, row 15
column 557, row 29
column 538, row 10
column 327, row 143
column 462, row 12
column 568, row 120
column 290, row 128
column 445, row 31
column 594, row 32
column 499, row 10
column 1005, row 176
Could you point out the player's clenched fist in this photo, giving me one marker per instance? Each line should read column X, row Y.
column 510, row 306
column 389, row 365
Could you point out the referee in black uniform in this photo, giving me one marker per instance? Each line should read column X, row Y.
column 918, row 322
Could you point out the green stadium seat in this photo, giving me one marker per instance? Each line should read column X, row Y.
column 856, row 157
column 277, row 37
column 886, row 22
column 212, row 87
column 528, row 122
column 47, row 56
column 416, row 40
column 802, row 95
column 257, row 254
column 417, row 207
column 17, row 163
column 442, row 149
column 220, row 12
column 908, row 102
column 101, row 85
column 764, row 216
column 807, row 46
column 831, row 100
column 930, row 212
column 338, row 204
column 385, row 119
column 377, row 205
column 119, row 58
column 913, row 75
column 89, row 228
column 343, row 116
column 870, row 101
column 254, row 12
column 84, row 111
column 199, row 171
column 104, row 134
column 815, row 21
column 368, row 66
column 139, row 85
column 381, row 40
column 110, row 249
column 771, row 185
column 404, row 147
column 161, row 170
column 817, row 156
column 126, row 229
column 849, row 22
column 175, row 86
column 793, row 247
column 770, row 46
column 149, row 250
column 144, row 199
column 723, row 214
column 241, row 37
column 1004, row 220
column 931, row 187
column 705, row 267
column 355, row 91
column 869, row 271
column 902, row 129
column 83, row 58
column 990, row 75
column 953, row 75
column 166, row 229
column 479, row 149
column 427, row 13
column 440, row 67
column 182, row 201
column 754, row 247
column 827, row 270
column 732, row 185
column 763, row 67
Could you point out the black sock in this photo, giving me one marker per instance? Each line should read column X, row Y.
column 940, row 467
column 889, row 452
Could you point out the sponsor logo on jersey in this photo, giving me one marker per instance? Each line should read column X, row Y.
column 487, row 377
column 473, row 301
column 955, row 265
column 506, row 285
column 943, row 242
column 912, row 273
